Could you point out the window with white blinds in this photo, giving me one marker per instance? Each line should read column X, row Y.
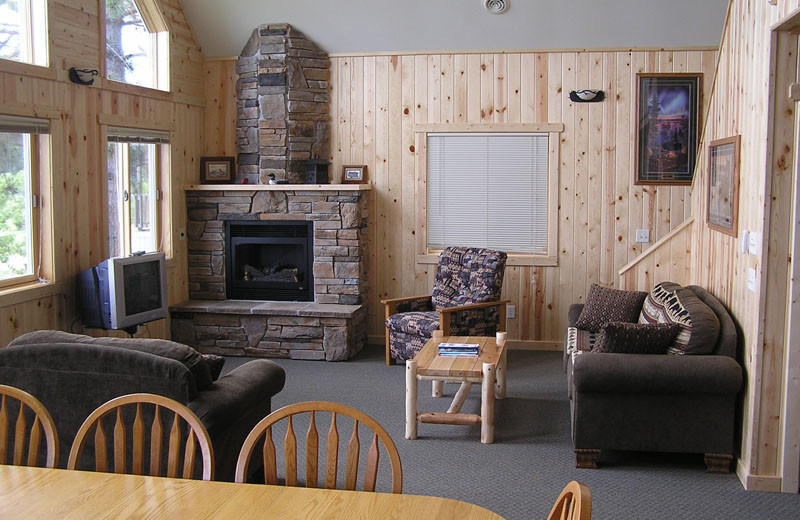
column 488, row 190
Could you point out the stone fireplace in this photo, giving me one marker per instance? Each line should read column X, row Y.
column 283, row 105
column 331, row 326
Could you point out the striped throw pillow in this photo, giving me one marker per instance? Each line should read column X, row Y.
column 663, row 306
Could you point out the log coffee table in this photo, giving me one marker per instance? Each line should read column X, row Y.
column 487, row 368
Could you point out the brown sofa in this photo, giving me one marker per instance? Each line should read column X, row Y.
column 662, row 402
column 73, row 374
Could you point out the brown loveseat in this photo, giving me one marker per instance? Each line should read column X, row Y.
column 656, row 402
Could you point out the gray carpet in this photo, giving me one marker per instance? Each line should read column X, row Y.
column 521, row 474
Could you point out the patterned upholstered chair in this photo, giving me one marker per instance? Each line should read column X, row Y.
column 465, row 302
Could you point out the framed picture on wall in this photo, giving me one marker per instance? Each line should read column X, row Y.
column 668, row 108
column 354, row 174
column 217, row 170
column 723, row 185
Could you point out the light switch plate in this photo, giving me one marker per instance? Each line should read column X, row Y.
column 745, row 238
column 642, row 236
column 511, row 312
column 751, row 279
column 752, row 243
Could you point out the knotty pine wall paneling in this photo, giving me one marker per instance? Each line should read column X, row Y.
column 79, row 187
column 749, row 99
column 377, row 101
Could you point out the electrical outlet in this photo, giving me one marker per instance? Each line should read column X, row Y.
column 642, row 236
column 752, row 243
column 511, row 312
column 751, row 279
column 182, row 234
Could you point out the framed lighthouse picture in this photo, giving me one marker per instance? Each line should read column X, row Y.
column 668, row 108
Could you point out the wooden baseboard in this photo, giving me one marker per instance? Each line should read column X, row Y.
column 514, row 344
column 750, row 482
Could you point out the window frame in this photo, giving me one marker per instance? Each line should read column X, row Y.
column 426, row 255
column 162, row 218
column 155, row 23
column 41, row 153
column 39, row 46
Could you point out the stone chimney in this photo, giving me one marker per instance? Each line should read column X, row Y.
column 283, row 105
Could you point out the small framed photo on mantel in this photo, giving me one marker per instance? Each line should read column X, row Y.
column 723, row 185
column 217, row 170
column 354, row 174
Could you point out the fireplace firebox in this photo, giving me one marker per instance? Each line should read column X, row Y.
column 269, row 260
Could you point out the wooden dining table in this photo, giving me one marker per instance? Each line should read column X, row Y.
column 40, row 493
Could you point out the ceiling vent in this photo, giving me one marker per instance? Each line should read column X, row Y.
column 495, row 6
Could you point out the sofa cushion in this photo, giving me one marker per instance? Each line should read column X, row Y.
column 606, row 305
column 416, row 323
column 188, row 356
column 670, row 303
column 579, row 340
column 635, row 338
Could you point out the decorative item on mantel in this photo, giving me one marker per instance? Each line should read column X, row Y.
column 217, row 170
column 354, row 174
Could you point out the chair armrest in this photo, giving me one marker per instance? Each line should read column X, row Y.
column 603, row 372
column 395, row 305
column 574, row 312
column 446, row 314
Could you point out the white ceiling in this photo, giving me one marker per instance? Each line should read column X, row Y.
column 371, row 26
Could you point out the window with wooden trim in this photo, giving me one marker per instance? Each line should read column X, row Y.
column 23, row 31
column 137, row 162
column 495, row 190
column 23, row 144
column 137, row 43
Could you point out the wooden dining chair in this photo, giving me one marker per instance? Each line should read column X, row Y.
column 574, row 503
column 196, row 436
column 264, row 430
column 42, row 423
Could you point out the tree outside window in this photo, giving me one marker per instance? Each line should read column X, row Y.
column 136, row 44
column 23, row 31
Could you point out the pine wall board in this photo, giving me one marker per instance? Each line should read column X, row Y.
column 378, row 100
column 749, row 99
column 79, row 187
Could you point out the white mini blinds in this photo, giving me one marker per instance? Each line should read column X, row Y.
column 24, row 125
column 135, row 135
column 488, row 190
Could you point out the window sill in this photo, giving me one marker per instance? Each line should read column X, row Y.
column 28, row 292
column 27, row 69
column 513, row 260
column 137, row 90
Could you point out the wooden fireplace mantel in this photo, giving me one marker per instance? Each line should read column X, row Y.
column 278, row 187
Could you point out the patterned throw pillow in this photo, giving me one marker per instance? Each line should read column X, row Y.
column 635, row 338
column 580, row 340
column 606, row 305
column 670, row 303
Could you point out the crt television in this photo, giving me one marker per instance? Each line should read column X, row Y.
column 123, row 292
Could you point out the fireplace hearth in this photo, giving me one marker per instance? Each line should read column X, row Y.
column 269, row 260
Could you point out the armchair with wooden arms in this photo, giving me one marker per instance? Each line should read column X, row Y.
column 465, row 302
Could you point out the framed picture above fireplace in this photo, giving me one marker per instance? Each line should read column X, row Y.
column 217, row 170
